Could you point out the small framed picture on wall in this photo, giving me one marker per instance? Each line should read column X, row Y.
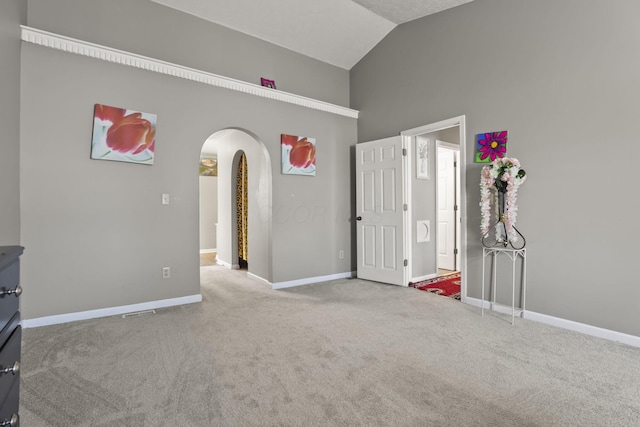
column 268, row 83
column 422, row 158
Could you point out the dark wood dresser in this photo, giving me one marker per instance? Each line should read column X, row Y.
column 10, row 335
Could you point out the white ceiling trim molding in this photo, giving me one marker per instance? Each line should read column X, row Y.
column 104, row 53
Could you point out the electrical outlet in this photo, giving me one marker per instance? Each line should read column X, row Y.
column 341, row 254
column 166, row 272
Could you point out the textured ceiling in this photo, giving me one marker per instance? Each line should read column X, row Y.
column 339, row 32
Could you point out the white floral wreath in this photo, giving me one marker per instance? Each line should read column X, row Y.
column 505, row 176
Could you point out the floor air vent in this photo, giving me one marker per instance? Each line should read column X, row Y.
column 138, row 313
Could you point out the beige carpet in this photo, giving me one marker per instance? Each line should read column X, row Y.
column 344, row 353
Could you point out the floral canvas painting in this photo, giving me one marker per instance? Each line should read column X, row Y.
column 208, row 166
column 123, row 135
column 491, row 146
column 298, row 155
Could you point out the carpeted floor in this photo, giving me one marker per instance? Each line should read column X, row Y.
column 343, row 353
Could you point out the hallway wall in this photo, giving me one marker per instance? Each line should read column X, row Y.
column 208, row 212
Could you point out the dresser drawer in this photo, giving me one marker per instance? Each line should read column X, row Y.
column 9, row 355
column 9, row 280
column 9, row 408
column 9, row 328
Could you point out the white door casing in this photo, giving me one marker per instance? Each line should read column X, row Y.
column 380, row 218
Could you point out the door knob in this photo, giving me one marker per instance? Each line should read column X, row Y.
column 359, row 218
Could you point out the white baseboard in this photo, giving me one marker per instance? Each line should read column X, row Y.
column 227, row 264
column 260, row 279
column 559, row 322
column 488, row 305
column 208, row 251
column 111, row 311
column 421, row 278
column 311, row 280
column 595, row 331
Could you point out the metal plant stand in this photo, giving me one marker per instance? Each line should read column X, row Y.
column 513, row 255
column 505, row 246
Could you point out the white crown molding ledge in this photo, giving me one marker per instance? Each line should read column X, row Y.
column 104, row 53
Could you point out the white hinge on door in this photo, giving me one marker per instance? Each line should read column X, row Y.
column 405, row 207
column 455, row 251
column 404, row 151
column 455, row 207
column 406, row 262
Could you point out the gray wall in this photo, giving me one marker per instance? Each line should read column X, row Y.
column 562, row 78
column 12, row 14
column 96, row 232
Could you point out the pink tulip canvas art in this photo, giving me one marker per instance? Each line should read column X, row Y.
column 123, row 135
column 298, row 155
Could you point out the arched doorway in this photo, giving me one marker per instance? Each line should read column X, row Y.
column 227, row 146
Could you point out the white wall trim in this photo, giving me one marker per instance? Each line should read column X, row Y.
column 583, row 328
column 208, row 251
column 227, row 265
column 311, row 280
column 425, row 277
column 104, row 53
column 111, row 311
column 595, row 331
column 258, row 278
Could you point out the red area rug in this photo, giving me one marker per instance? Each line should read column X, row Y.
column 448, row 286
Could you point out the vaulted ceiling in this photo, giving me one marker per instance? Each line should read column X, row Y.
column 339, row 32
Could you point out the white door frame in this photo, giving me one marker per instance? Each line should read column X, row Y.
column 407, row 137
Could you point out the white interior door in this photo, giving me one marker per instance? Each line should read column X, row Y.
column 446, row 231
column 379, row 211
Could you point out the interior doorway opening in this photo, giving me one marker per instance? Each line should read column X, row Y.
column 396, row 209
column 423, row 247
column 241, row 188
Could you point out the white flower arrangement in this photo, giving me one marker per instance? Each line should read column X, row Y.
column 501, row 176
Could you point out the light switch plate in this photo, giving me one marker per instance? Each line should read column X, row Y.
column 165, row 199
